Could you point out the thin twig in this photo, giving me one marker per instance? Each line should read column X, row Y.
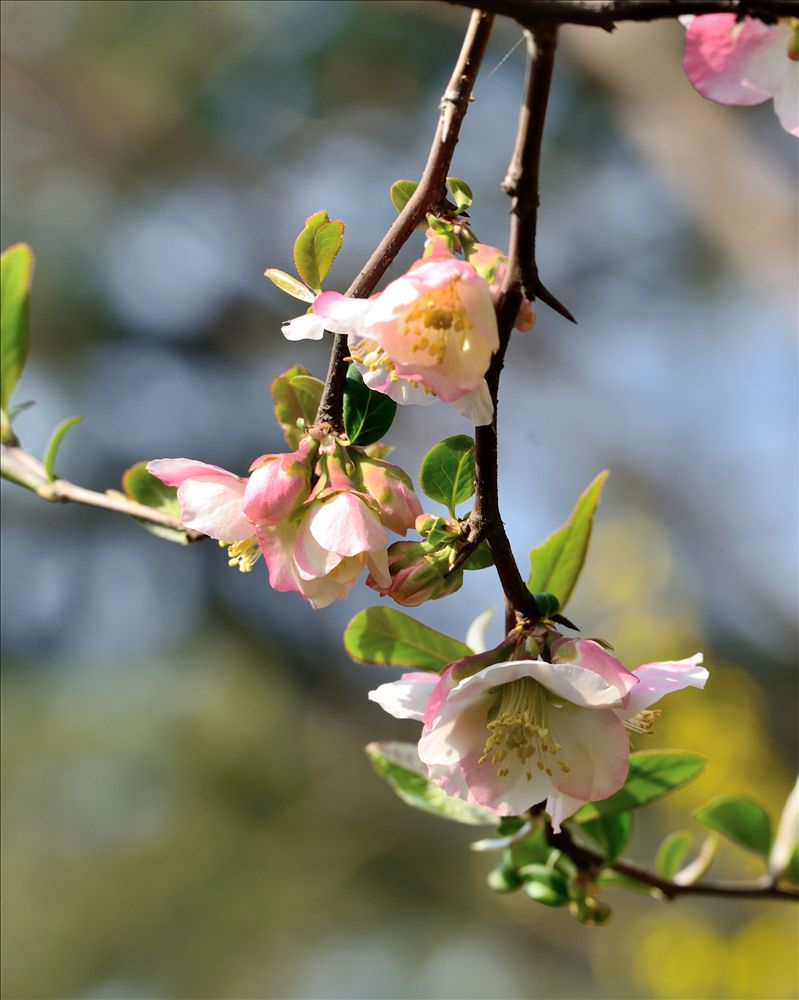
column 21, row 467
column 522, row 185
column 606, row 13
column 591, row 861
column 430, row 193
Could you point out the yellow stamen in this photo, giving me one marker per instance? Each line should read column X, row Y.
column 644, row 722
column 244, row 554
column 519, row 728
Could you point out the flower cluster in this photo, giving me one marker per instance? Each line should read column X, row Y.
column 745, row 62
column 318, row 515
column 511, row 733
column 430, row 334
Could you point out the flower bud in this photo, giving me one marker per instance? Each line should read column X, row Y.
column 418, row 574
column 492, row 265
column 390, row 488
column 277, row 485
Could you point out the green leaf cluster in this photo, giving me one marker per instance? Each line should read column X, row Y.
column 447, row 472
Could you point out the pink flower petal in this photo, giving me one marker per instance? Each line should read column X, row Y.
column 312, row 559
column 455, row 733
column 476, row 405
column 591, row 655
column 406, row 698
column 342, row 314
column 560, row 807
column 306, row 327
column 345, row 525
column 213, row 507
column 173, row 471
column 508, row 794
column 277, row 544
column 658, row 679
column 722, row 58
column 595, row 748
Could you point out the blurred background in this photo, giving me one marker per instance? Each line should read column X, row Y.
column 187, row 808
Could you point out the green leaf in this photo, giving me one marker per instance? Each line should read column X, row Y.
column 652, row 774
column 447, row 471
column 54, row 444
column 16, row 271
column 480, row 558
column 672, row 851
column 316, row 248
column 461, row 192
column 556, row 563
column 288, row 283
column 138, row 484
column 399, row 764
column 367, row 414
column 390, row 638
column 608, row 879
column 401, row 192
column 533, row 850
column 739, row 819
column 548, row 604
column 545, row 885
column 611, row 833
column 296, row 394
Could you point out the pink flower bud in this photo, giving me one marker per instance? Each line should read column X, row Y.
column 418, row 574
column 277, row 485
column 492, row 265
column 392, row 490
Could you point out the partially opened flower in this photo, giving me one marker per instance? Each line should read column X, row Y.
column 492, row 264
column 517, row 733
column 745, row 62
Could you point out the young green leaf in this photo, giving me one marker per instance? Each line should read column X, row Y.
column 652, row 774
column 783, row 861
column 367, row 415
column 545, row 885
column 461, row 193
column 447, row 471
column 504, row 878
column 399, row 764
column 611, row 833
column 54, row 444
column 316, row 248
column 401, row 192
column 16, row 271
column 390, row 638
column 556, row 563
column 138, row 484
column 672, row 851
column 739, row 819
column 480, row 558
column 289, row 284
column 296, row 394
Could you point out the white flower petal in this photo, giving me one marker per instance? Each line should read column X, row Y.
column 406, row 698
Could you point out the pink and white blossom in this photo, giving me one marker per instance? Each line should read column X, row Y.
column 516, row 733
column 430, row 334
column 745, row 62
column 317, row 525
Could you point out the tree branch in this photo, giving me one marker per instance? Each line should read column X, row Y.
column 23, row 469
column 521, row 183
column 588, row 860
column 430, row 193
column 606, row 13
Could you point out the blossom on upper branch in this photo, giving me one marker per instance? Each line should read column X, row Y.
column 745, row 62
column 511, row 734
column 318, row 515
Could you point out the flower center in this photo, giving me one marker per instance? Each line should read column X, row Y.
column 432, row 318
column 520, row 728
column 243, row 554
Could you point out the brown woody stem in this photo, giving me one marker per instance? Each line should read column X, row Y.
column 430, row 193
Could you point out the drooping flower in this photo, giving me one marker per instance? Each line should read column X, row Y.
column 745, row 62
column 515, row 733
column 317, row 524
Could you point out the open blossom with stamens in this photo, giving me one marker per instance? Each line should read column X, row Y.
column 745, row 62
column 512, row 734
column 429, row 334
column 315, row 540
